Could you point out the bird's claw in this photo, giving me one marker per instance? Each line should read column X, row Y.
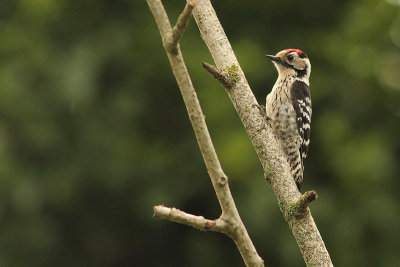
column 261, row 108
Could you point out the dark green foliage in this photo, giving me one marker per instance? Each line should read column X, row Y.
column 93, row 133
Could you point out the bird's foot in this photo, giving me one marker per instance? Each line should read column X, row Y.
column 261, row 108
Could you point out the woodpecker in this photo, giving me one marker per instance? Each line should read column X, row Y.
column 288, row 107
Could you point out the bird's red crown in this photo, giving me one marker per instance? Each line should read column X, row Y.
column 298, row 51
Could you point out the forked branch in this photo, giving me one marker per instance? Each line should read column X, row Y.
column 293, row 205
column 182, row 21
column 229, row 221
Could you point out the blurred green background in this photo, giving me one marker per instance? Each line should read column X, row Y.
column 94, row 133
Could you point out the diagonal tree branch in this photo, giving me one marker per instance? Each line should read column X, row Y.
column 275, row 166
column 233, row 225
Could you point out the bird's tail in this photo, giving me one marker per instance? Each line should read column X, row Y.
column 296, row 167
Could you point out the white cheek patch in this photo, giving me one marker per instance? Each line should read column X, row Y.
column 299, row 64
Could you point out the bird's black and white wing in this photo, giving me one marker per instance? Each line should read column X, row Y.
column 301, row 98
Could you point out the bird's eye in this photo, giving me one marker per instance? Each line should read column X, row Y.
column 290, row 57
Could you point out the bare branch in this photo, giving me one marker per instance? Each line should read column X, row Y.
column 233, row 224
column 276, row 168
column 198, row 222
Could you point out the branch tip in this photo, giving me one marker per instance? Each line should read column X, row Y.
column 311, row 196
column 298, row 208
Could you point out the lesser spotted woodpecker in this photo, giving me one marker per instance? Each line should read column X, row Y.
column 288, row 107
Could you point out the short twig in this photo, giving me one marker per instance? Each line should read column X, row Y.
column 222, row 76
column 198, row 222
column 298, row 208
column 311, row 196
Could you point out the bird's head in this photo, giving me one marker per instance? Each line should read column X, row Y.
column 292, row 62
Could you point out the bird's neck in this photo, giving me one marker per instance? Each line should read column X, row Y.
column 291, row 77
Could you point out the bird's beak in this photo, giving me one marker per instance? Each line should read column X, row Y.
column 274, row 58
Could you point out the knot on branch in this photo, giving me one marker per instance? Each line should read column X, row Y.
column 298, row 208
column 222, row 181
column 227, row 76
